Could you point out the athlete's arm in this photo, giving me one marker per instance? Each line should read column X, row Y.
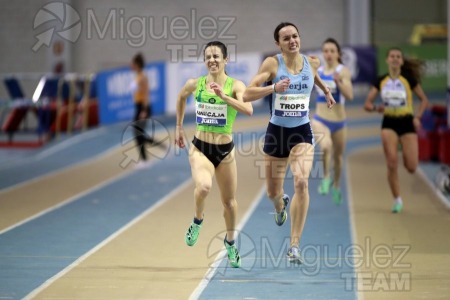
column 344, row 82
column 368, row 104
column 315, row 63
column 238, row 103
column 266, row 72
column 187, row 89
column 423, row 100
column 423, row 105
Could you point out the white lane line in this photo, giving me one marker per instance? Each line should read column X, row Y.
column 67, row 201
column 433, row 187
column 351, row 212
column 151, row 209
column 76, row 164
column 69, row 142
column 51, row 149
column 353, row 232
column 419, row 172
column 76, row 197
column 219, row 258
column 73, row 165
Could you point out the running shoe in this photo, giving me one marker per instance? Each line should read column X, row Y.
column 294, row 255
column 324, row 187
column 281, row 217
column 192, row 234
column 397, row 207
column 336, row 195
column 233, row 254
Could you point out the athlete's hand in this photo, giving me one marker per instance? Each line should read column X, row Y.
column 217, row 89
column 369, row 106
column 282, row 85
column 330, row 100
column 142, row 115
column 417, row 124
column 179, row 134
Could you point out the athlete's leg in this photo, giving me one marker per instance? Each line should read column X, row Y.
column 410, row 151
column 226, row 176
column 140, row 137
column 339, row 139
column 301, row 161
column 323, row 138
column 275, row 173
column 390, row 146
column 140, row 132
column 202, row 173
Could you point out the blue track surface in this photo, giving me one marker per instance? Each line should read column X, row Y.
column 326, row 244
column 33, row 252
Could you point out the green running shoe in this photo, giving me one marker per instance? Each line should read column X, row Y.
column 233, row 255
column 324, row 187
column 192, row 234
column 397, row 207
column 337, row 195
column 294, row 255
column 281, row 217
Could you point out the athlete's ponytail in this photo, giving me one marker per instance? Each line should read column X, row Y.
column 411, row 66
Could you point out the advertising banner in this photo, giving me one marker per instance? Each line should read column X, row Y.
column 115, row 87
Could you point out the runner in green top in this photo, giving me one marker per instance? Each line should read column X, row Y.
column 210, row 108
column 218, row 99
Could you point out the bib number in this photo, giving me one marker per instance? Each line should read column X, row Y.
column 394, row 98
column 291, row 105
column 211, row 114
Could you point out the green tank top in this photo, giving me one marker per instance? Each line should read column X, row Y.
column 211, row 112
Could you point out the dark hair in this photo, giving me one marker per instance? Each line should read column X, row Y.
column 138, row 60
column 411, row 66
column 217, row 44
column 333, row 41
column 276, row 33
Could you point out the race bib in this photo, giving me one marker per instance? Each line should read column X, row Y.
column 394, row 98
column 211, row 114
column 291, row 105
column 331, row 84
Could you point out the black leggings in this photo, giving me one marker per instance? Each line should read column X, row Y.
column 140, row 135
